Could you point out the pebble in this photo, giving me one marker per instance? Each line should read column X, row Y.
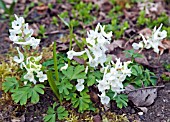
column 140, row 113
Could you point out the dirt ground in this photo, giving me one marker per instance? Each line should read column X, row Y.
column 159, row 111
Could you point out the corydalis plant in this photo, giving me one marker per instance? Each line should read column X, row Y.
column 114, row 73
column 96, row 47
column 153, row 41
column 21, row 34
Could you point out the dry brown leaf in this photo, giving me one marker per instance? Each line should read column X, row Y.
column 94, row 97
column 115, row 44
column 142, row 60
column 143, row 97
column 41, row 9
column 164, row 46
column 145, row 32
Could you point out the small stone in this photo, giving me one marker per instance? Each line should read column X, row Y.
column 140, row 113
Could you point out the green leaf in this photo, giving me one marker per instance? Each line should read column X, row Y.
column 11, row 9
column 153, row 80
column 75, row 73
column 22, row 94
column 136, row 70
column 71, row 94
column 33, row 93
column 61, row 113
column 10, row 84
column 52, row 84
column 132, row 54
column 121, row 100
column 82, row 102
column 3, row 5
column 50, row 118
column 51, row 114
column 64, row 86
column 62, row 19
column 91, row 80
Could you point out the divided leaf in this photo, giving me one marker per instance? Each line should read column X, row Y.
column 91, row 80
column 22, row 94
column 64, row 86
column 81, row 102
column 62, row 113
column 75, row 73
column 121, row 100
column 10, row 84
column 51, row 114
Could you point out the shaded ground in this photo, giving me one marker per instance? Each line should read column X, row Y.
column 158, row 112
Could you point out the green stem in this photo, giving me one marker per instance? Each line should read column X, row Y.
column 71, row 36
column 78, row 44
column 55, row 62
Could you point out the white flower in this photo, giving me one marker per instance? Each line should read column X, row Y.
column 34, row 42
column 13, row 37
column 17, row 24
column 154, row 41
column 28, row 32
column 102, row 59
column 125, row 69
column 158, row 35
column 86, row 70
column 104, row 99
column 19, row 59
column 92, row 62
column 137, row 46
column 42, row 77
column 106, row 35
column 117, row 86
column 64, row 67
column 118, row 64
column 96, row 50
column 72, row 53
column 80, row 85
column 21, row 34
column 103, row 85
column 30, row 76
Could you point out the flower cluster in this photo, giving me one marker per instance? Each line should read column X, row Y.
column 21, row 34
column 33, row 67
column 114, row 75
column 96, row 43
column 154, row 41
column 149, row 7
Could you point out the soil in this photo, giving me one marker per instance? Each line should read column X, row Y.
column 159, row 111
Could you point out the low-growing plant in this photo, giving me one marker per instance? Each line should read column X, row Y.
column 72, row 75
column 140, row 77
column 7, row 11
column 25, row 87
column 150, row 23
column 42, row 31
column 166, row 76
column 54, row 113
column 117, row 28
